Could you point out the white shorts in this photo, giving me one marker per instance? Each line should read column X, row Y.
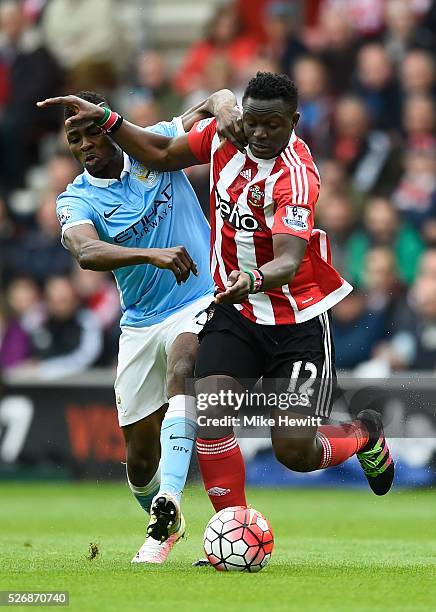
column 140, row 386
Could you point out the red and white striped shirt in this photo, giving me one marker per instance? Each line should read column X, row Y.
column 251, row 200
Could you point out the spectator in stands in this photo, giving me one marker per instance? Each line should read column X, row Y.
column 25, row 300
column 357, row 330
column 223, row 39
column 364, row 320
column 260, row 63
column 428, row 229
column 153, row 81
column 415, row 194
column 404, row 32
column 282, row 43
column 371, row 161
column 32, row 74
column 419, row 119
column 333, row 177
column 14, row 342
column 414, row 343
column 383, row 227
column 33, row 9
column 428, row 14
column 98, row 293
column 4, row 85
column 337, row 217
column 92, row 57
column 418, row 74
column 334, row 181
column 338, row 49
column 62, row 169
column 143, row 111
column 427, row 268
column 7, row 232
column 70, row 338
column 376, row 85
column 383, row 287
column 314, row 104
column 217, row 74
column 39, row 253
column 253, row 15
column 366, row 16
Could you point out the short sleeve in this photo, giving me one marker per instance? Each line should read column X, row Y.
column 295, row 206
column 168, row 128
column 72, row 211
column 200, row 139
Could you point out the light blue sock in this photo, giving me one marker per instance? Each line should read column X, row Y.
column 145, row 494
column 177, row 438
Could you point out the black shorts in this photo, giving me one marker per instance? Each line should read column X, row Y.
column 295, row 358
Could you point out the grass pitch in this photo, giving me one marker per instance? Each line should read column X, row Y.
column 335, row 550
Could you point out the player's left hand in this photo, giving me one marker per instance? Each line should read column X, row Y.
column 229, row 126
column 238, row 288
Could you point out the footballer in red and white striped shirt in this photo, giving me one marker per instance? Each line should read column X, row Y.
column 270, row 263
column 254, row 199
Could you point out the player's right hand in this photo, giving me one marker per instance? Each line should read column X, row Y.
column 176, row 259
column 84, row 112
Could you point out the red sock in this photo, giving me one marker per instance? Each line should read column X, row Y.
column 223, row 471
column 339, row 442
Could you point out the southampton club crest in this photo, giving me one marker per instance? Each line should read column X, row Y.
column 296, row 218
column 256, row 196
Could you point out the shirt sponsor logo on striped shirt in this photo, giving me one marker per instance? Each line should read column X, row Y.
column 230, row 213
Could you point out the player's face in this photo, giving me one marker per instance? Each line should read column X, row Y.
column 93, row 149
column 268, row 125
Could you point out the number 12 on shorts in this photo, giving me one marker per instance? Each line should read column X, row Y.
column 307, row 386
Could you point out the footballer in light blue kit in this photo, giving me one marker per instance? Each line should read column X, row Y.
column 144, row 209
column 118, row 215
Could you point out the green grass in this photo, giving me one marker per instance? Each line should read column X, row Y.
column 335, row 550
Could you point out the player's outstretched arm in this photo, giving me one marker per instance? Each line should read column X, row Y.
column 288, row 255
column 95, row 254
column 154, row 150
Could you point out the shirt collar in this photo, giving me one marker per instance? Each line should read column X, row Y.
column 271, row 161
column 103, row 182
column 260, row 161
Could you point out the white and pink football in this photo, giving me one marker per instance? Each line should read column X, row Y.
column 238, row 539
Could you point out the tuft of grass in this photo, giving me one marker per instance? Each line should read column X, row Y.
column 94, row 551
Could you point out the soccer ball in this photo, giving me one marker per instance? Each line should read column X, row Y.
column 238, row 539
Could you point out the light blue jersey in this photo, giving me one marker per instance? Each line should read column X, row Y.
column 145, row 209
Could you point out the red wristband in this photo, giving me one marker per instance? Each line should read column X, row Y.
column 112, row 123
column 258, row 282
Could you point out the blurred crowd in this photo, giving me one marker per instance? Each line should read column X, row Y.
column 366, row 75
